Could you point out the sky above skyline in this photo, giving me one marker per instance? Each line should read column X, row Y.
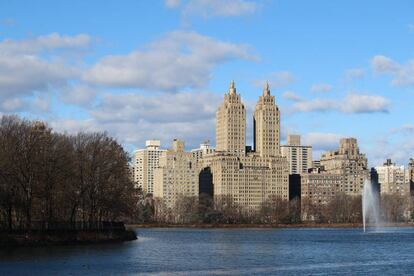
column 158, row 69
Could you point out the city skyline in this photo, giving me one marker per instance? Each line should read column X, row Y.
column 333, row 72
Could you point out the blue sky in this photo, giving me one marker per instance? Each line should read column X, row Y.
column 158, row 69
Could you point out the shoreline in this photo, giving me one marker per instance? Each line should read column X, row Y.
column 246, row 226
column 52, row 238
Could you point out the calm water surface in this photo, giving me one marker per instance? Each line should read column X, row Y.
column 227, row 252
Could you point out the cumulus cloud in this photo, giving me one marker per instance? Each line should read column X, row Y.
column 292, row 96
column 177, row 61
column 213, row 8
column 321, row 87
column 352, row 103
column 402, row 74
column 133, row 118
column 30, row 66
column 355, row 103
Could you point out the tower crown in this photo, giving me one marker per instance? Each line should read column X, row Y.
column 232, row 89
column 266, row 89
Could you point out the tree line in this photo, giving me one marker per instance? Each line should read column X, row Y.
column 224, row 210
column 48, row 177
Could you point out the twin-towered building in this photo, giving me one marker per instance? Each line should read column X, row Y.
column 248, row 176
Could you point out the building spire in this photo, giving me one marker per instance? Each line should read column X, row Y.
column 266, row 90
column 232, row 89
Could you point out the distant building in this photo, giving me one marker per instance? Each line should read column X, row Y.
column 340, row 172
column 319, row 187
column 248, row 176
column 177, row 175
column 393, row 179
column 298, row 156
column 349, row 163
column 203, row 150
column 411, row 173
column 144, row 163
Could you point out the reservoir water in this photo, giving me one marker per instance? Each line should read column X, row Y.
column 301, row 251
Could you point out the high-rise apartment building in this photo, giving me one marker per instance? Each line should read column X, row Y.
column 266, row 125
column 248, row 177
column 393, row 179
column 350, row 163
column 231, row 124
column 144, row 163
column 340, row 172
column 298, row 156
column 177, row 175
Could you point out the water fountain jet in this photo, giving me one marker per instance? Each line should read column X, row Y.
column 370, row 205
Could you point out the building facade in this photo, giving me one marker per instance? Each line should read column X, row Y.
column 204, row 149
column 393, row 179
column 340, row 172
column 411, row 173
column 177, row 175
column 145, row 161
column 298, row 156
column 319, row 187
column 350, row 163
column 248, row 177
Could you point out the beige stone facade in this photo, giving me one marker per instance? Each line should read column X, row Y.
column 266, row 125
column 144, row 163
column 231, row 124
column 249, row 178
column 177, row 175
column 350, row 163
column 339, row 172
column 298, row 156
column 319, row 187
column 393, row 179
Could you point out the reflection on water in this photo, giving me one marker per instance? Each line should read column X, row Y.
column 227, row 252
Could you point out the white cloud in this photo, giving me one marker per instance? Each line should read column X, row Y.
column 80, row 94
column 352, row 103
column 292, row 96
column 354, row 74
column 213, row 8
column 315, row 105
column 178, row 60
column 277, row 80
column 402, row 74
column 30, row 66
column 355, row 103
column 322, row 141
column 42, row 43
column 321, row 87
column 172, row 3
column 134, row 118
